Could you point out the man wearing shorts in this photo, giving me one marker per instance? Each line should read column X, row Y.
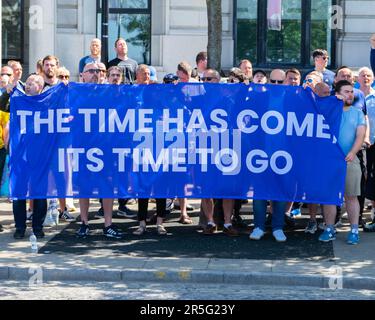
column 351, row 137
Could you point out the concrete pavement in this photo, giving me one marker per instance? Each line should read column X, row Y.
column 353, row 266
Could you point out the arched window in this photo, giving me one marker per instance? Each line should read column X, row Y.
column 282, row 32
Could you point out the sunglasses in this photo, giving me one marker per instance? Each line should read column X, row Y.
column 308, row 81
column 6, row 74
column 325, row 58
column 64, row 77
column 207, row 79
column 103, row 70
column 277, row 81
column 92, row 71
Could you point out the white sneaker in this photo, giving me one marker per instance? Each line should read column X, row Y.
column 50, row 220
column 257, row 234
column 279, row 235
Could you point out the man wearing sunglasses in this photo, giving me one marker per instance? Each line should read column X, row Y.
column 90, row 74
column 277, row 76
column 321, row 60
column 14, row 80
column 6, row 70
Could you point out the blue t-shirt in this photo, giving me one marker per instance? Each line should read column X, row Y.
column 350, row 121
column 370, row 103
column 86, row 60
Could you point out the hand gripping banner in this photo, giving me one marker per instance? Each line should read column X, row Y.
column 188, row 140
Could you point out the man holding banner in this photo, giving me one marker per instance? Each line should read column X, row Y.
column 187, row 140
column 351, row 137
column 91, row 75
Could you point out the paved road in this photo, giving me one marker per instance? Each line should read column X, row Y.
column 10, row 290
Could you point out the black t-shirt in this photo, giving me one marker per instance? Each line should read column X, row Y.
column 129, row 67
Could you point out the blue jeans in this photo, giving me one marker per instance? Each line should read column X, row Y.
column 278, row 212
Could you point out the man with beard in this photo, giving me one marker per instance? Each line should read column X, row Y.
column 351, row 137
column 50, row 66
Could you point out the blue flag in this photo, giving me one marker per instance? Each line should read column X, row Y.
column 188, row 140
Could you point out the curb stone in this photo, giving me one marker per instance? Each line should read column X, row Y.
column 186, row 276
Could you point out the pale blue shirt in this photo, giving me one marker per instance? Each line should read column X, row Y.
column 350, row 121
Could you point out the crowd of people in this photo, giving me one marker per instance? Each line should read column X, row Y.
column 357, row 140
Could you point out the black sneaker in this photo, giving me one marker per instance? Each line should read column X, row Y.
column 65, row 215
column 124, row 211
column 19, row 234
column 83, row 231
column 113, row 232
column 289, row 221
column 238, row 222
column 39, row 234
column 100, row 213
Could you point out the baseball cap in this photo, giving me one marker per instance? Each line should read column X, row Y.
column 153, row 75
column 170, row 77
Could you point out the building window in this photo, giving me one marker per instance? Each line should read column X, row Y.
column 12, row 26
column 131, row 20
column 282, row 32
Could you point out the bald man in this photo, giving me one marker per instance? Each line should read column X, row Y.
column 95, row 50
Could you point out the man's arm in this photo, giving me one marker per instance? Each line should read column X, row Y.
column 372, row 55
column 367, row 135
column 360, row 136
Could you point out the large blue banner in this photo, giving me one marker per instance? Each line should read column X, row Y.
column 187, row 140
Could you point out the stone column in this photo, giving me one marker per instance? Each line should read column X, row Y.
column 42, row 26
